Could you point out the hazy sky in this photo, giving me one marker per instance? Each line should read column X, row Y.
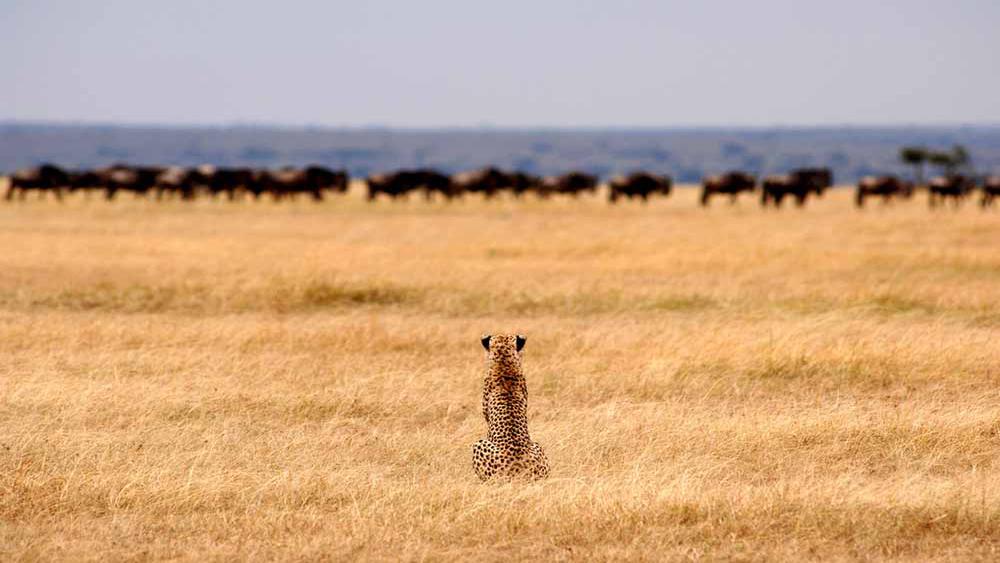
column 504, row 63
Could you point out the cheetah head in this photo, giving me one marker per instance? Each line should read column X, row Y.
column 503, row 345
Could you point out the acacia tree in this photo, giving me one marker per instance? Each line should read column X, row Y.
column 952, row 161
column 915, row 157
column 942, row 159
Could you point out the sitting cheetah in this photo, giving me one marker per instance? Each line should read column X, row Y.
column 507, row 450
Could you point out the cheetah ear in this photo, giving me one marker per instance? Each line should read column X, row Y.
column 486, row 342
column 520, row 342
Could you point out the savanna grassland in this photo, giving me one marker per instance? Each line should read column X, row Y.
column 217, row 381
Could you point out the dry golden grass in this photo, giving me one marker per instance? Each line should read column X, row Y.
column 258, row 381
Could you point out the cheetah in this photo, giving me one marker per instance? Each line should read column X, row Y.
column 507, row 451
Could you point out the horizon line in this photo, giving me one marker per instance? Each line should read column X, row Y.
column 487, row 127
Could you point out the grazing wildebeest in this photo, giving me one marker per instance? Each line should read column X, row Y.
column 231, row 181
column 731, row 183
column 431, row 181
column 283, row 183
column 390, row 184
column 86, row 181
column 522, row 182
column 288, row 182
column 44, row 178
column 572, row 183
column 402, row 182
column 955, row 187
column 991, row 190
column 775, row 187
column 124, row 178
column 487, row 181
column 798, row 184
column 639, row 184
column 337, row 181
column 180, row 181
column 818, row 179
column 886, row 187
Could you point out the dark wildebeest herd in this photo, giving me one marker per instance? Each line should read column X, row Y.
column 313, row 181
column 805, row 182
column 185, row 183
column 489, row 182
column 316, row 181
column 954, row 188
column 798, row 184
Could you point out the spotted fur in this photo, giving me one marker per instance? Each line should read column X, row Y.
column 507, row 450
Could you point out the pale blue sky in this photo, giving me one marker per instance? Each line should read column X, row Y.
column 510, row 63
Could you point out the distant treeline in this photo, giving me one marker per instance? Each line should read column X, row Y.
column 687, row 155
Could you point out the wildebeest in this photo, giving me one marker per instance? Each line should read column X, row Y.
column 86, row 181
column 232, row 181
column 819, row 179
column 732, row 183
column 522, row 182
column 180, row 181
column 991, row 190
column 288, row 182
column 337, row 181
column 639, row 184
column 400, row 183
column 390, row 184
column 798, row 184
column 955, row 187
column 775, row 187
column 139, row 180
column 572, row 183
column 44, row 178
column 488, row 181
column 886, row 187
